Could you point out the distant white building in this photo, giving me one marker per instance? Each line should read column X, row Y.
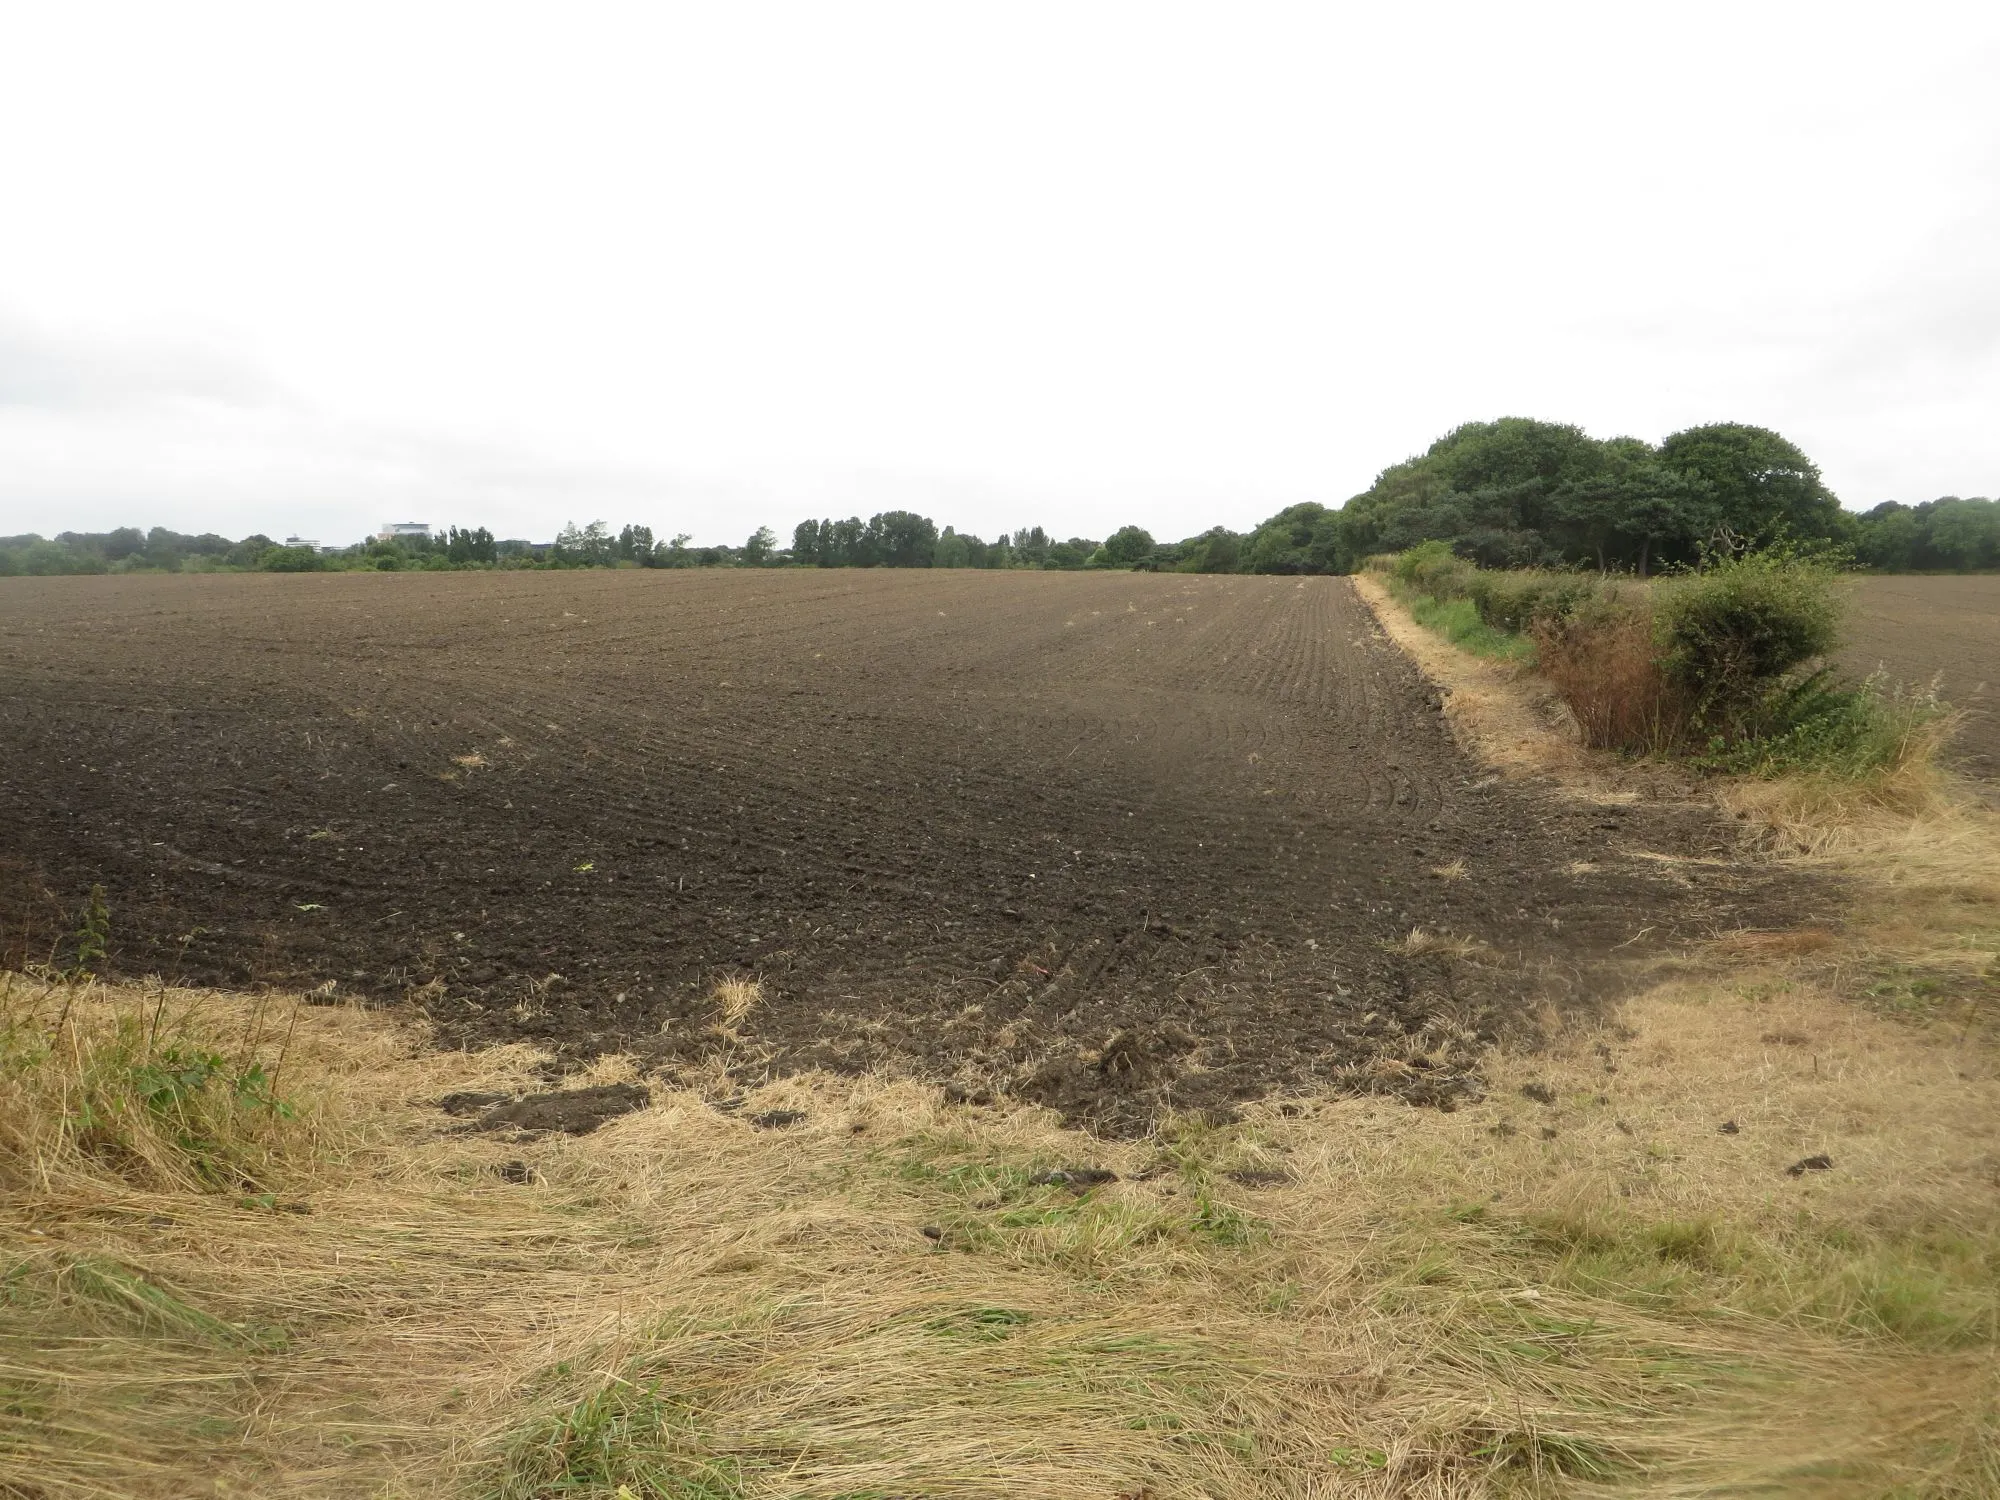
column 303, row 541
column 392, row 530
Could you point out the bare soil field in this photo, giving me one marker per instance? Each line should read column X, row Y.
column 1111, row 842
column 1920, row 627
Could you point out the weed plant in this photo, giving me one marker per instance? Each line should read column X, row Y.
column 142, row 1094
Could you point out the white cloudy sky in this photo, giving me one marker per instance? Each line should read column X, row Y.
column 309, row 268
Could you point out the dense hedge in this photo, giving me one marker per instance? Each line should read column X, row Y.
column 1724, row 664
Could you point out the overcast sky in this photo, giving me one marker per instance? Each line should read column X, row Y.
column 291, row 268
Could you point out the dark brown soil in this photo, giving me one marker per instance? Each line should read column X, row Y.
column 570, row 1111
column 1113, row 842
column 1917, row 628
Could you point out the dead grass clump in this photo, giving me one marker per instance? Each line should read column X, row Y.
column 1750, row 943
column 735, row 1000
column 1831, row 814
column 1605, row 666
column 1417, row 942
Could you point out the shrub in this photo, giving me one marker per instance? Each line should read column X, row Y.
column 1433, row 568
column 1518, row 601
column 152, row 1095
column 1709, row 665
column 1729, row 634
column 1818, row 725
column 291, row 560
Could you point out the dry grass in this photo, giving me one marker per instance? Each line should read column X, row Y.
column 1516, row 1298
column 735, row 1001
column 1492, row 707
column 1606, row 670
column 1417, row 941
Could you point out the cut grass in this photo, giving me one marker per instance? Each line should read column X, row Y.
column 685, row 1306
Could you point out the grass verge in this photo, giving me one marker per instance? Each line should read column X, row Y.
column 1583, row 1280
column 1459, row 622
column 1722, row 669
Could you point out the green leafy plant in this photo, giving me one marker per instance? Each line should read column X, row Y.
column 92, row 937
column 1730, row 634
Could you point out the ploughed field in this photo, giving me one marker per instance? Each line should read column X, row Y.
column 1917, row 628
column 1115, row 842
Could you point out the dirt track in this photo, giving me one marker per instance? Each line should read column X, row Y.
column 1110, row 841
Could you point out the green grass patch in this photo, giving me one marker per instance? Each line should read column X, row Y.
column 1938, row 1291
column 623, row 1437
column 999, row 1208
column 1458, row 621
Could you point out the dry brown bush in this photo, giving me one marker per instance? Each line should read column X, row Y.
column 1605, row 665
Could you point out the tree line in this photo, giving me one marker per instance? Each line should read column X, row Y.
column 1506, row 494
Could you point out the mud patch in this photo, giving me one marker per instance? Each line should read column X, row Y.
column 566, row 1111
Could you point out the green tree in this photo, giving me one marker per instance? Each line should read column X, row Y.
column 809, row 540
column 1965, row 534
column 635, row 543
column 589, row 546
column 1076, row 552
column 1031, row 547
column 122, row 543
column 761, row 549
column 1216, row 550
column 849, row 544
column 951, row 551
column 1126, row 546
column 1302, row 538
column 470, row 546
column 246, row 553
column 291, row 560
column 1759, row 485
column 1888, row 537
column 901, row 539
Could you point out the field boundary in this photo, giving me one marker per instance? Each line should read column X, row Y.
column 1513, row 722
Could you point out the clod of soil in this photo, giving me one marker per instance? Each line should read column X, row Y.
column 471, row 1102
column 1820, row 1163
column 1257, row 1177
column 569, row 1111
column 1729, row 1127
